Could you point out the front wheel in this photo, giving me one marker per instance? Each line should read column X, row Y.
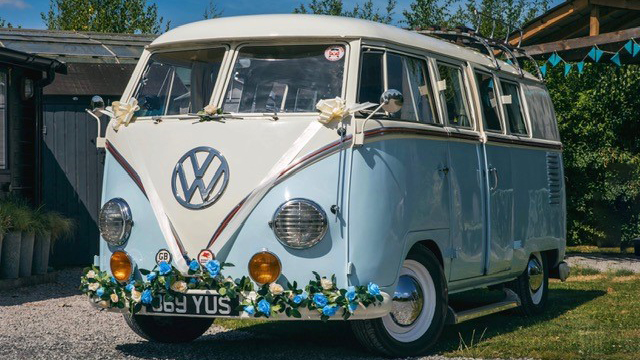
column 419, row 310
column 168, row 329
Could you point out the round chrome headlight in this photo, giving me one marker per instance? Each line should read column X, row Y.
column 299, row 223
column 115, row 222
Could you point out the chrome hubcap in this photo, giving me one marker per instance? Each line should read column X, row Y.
column 536, row 277
column 408, row 300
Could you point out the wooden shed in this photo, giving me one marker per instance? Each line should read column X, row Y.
column 69, row 175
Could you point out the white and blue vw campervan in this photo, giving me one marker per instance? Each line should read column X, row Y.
column 319, row 168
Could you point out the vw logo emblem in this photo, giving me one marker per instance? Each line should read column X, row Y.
column 203, row 169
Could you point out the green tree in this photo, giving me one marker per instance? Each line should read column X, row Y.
column 117, row 16
column 212, row 11
column 4, row 23
column 336, row 7
column 598, row 119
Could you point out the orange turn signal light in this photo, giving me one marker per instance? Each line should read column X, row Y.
column 121, row 266
column 264, row 267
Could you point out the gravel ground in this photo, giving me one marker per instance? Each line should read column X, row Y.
column 53, row 321
column 605, row 263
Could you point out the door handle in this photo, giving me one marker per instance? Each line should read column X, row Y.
column 494, row 171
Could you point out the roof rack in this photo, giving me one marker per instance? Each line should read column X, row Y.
column 468, row 37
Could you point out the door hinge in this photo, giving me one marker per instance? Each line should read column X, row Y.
column 350, row 268
column 44, row 130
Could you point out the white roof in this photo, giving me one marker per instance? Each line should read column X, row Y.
column 265, row 27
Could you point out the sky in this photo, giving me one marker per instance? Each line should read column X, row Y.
column 26, row 13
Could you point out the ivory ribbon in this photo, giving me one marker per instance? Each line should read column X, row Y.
column 123, row 112
column 330, row 110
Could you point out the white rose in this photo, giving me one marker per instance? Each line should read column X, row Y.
column 326, row 284
column 91, row 274
column 210, row 109
column 179, row 286
column 276, row 289
column 94, row 286
column 229, row 279
column 136, row 295
column 103, row 304
column 114, row 298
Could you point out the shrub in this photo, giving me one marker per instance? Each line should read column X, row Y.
column 21, row 215
column 58, row 225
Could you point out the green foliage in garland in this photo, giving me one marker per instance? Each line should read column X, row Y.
column 598, row 114
column 165, row 281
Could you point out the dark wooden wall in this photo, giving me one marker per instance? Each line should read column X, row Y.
column 72, row 170
column 23, row 117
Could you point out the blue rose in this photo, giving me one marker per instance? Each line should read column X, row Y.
column 329, row 310
column 320, row 300
column 373, row 289
column 164, row 268
column 146, row 298
column 129, row 287
column 353, row 306
column 213, row 267
column 249, row 309
column 113, row 280
column 298, row 298
column 194, row 265
column 100, row 292
column 264, row 307
column 193, row 280
column 151, row 276
column 351, row 293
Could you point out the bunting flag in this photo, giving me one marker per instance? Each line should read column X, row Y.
column 567, row 68
column 616, row 59
column 554, row 59
column 631, row 47
column 595, row 53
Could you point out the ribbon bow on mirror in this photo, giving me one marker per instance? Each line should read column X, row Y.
column 336, row 109
column 122, row 113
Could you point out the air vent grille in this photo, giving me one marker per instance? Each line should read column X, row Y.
column 554, row 180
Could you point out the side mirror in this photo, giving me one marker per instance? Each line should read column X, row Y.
column 97, row 104
column 391, row 101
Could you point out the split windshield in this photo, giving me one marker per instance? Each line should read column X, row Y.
column 280, row 79
column 178, row 82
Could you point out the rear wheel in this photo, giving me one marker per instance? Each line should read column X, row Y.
column 419, row 310
column 532, row 286
column 168, row 329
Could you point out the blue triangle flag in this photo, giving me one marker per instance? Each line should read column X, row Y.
column 580, row 66
column 616, row 59
column 636, row 49
column 543, row 70
column 509, row 62
column 595, row 54
column 554, row 59
column 629, row 46
column 567, row 69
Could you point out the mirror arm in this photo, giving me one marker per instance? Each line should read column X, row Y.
column 100, row 141
column 358, row 136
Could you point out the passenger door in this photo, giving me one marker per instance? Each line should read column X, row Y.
column 497, row 169
column 465, row 173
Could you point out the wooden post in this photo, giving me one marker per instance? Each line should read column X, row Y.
column 594, row 21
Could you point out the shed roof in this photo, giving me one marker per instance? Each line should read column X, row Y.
column 75, row 46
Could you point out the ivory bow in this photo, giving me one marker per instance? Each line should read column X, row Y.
column 123, row 112
column 336, row 109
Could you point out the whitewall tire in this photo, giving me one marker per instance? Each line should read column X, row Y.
column 532, row 286
column 419, row 309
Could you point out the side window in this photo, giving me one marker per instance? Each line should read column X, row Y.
column 513, row 109
column 454, row 96
column 371, row 77
column 406, row 74
column 488, row 102
column 543, row 119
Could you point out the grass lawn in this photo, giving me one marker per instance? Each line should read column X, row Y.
column 589, row 249
column 591, row 316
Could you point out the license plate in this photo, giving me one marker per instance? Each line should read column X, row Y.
column 199, row 305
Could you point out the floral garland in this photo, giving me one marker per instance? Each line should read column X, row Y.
column 210, row 112
column 164, row 280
